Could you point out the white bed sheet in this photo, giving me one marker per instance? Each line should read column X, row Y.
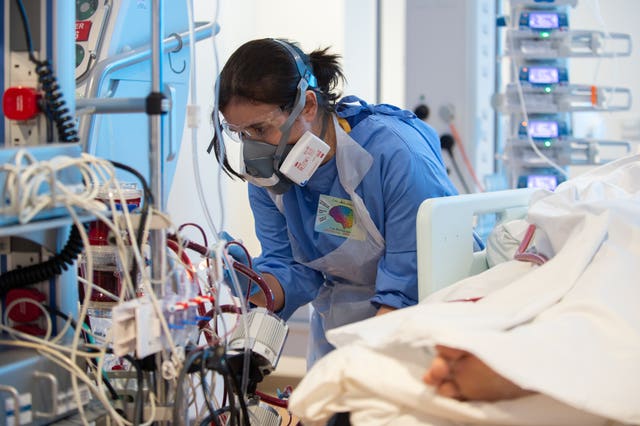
column 569, row 329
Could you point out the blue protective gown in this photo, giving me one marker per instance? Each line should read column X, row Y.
column 407, row 168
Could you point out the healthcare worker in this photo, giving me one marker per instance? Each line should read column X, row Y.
column 334, row 186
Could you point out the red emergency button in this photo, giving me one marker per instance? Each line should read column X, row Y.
column 83, row 28
column 20, row 103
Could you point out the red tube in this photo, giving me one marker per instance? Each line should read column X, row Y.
column 238, row 266
column 257, row 278
column 272, row 400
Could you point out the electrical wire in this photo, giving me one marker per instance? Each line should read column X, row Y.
column 76, row 351
column 138, row 401
column 205, row 391
column 32, row 274
column 461, row 178
column 178, row 416
column 465, row 158
column 240, row 392
column 77, row 332
column 54, row 102
column 148, row 201
column 447, row 142
column 22, row 190
column 103, row 171
column 74, row 370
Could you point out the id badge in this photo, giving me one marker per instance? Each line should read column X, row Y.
column 335, row 216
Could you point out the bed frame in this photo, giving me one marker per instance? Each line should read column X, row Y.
column 444, row 229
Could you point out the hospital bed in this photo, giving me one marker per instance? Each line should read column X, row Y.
column 445, row 227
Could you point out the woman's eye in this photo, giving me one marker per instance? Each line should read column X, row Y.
column 258, row 130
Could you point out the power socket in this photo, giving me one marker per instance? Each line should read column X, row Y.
column 28, row 132
column 24, row 133
column 22, row 253
column 17, row 260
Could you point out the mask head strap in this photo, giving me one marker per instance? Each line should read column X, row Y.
column 307, row 80
column 305, row 72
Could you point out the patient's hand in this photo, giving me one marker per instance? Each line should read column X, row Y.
column 460, row 375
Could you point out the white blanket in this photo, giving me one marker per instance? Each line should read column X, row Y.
column 569, row 329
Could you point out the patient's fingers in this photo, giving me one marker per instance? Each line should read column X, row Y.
column 450, row 353
column 476, row 381
column 449, row 389
column 458, row 374
column 437, row 372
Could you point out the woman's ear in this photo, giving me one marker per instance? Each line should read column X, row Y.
column 310, row 106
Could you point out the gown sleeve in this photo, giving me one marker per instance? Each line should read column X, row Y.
column 410, row 171
column 300, row 283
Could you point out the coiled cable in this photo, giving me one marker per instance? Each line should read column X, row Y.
column 54, row 104
column 46, row 270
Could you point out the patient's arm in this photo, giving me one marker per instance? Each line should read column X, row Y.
column 460, row 375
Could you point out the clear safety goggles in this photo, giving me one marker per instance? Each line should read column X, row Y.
column 261, row 129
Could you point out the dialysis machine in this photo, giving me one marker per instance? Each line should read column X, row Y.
column 539, row 101
column 117, row 89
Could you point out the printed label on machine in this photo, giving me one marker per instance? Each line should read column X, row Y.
column 83, row 28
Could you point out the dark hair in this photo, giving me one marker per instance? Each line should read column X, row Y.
column 265, row 71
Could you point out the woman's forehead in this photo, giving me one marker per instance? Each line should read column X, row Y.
column 242, row 112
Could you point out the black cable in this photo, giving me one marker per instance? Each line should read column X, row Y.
column 55, row 104
column 214, row 417
column 65, row 317
column 107, row 383
column 27, row 30
column 205, row 387
column 446, row 142
column 237, row 391
column 177, row 404
column 219, row 364
column 148, row 200
column 66, row 133
column 46, row 270
column 53, row 100
column 235, row 415
column 138, row 404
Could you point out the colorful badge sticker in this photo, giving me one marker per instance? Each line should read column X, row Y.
column 335, row 216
